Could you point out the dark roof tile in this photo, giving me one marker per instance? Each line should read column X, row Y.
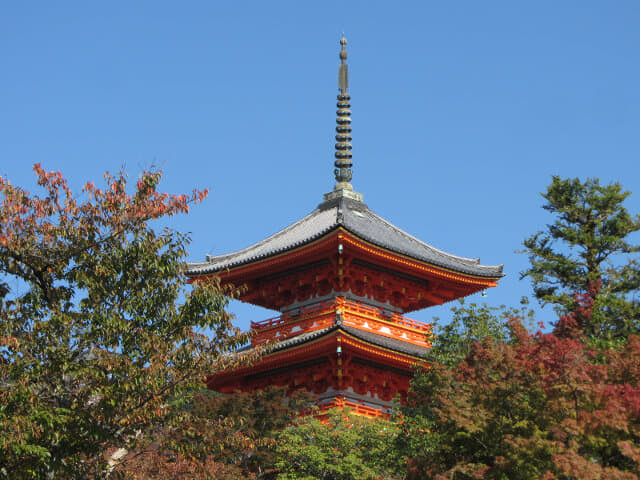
column 370, row 337
column 355, row 217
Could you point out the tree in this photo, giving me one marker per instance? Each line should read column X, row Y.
column 470, row 324
column 220, row 436
column 99, row 334
column 586, row 251
column 538, row 406
column 340, row 446
column 254, row 418
column 159, row 463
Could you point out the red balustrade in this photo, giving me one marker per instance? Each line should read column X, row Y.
column 356, row 408
column 379, row 313
column 294, row 314
column 323, row 314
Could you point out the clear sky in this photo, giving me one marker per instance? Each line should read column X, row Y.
column 462, row 111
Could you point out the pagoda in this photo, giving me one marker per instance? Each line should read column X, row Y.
column 341, row 279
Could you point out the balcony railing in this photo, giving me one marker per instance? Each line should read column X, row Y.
column 381, row 314
column 356, row 408
column 324, row 314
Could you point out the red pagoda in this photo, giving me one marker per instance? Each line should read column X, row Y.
column 341, row 278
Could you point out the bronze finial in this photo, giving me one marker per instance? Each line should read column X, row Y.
column 343, row 161
column 343, row 73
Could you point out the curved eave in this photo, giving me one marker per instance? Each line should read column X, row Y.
column 329, row 240
column 369, row 226
column 212, row 267
column 418, row 264
column 306, row 230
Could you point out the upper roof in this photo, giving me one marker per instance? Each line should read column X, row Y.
column 355, row 217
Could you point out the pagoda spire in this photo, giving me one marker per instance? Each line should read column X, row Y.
column 343, row 161
column 343, row 155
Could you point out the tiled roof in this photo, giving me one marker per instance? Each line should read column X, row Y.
column 355, row 217
column 387, row 342
column 370, row 337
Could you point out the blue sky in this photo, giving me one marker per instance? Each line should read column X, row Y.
column 462, row 111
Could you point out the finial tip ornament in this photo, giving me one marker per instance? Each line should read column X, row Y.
column 343, row 50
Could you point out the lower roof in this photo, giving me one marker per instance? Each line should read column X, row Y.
column 369, row 337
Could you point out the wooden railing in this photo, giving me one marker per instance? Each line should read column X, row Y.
column 381, row 314
column 356, row 408
column 296, row 314
column 328, row 312
column 294, row 322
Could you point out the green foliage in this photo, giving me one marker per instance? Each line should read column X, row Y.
column 98, row 330
column 586, row 251
column 341, row 446
column 473, row 323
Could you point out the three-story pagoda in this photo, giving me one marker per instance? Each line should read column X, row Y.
column 342, row 278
